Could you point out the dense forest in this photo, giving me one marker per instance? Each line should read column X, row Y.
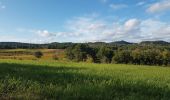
column 145, row 53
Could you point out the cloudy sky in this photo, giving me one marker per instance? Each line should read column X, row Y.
column 40, row 21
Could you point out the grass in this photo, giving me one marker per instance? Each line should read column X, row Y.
column 28, row 54
column 34, row 80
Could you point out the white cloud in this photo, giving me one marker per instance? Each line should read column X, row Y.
column 140, row 3
column 155, row 29
column 132, row 24
column 45, row 33
column 91, row 29
column 41, row 33
column 160, row 6
column 85, row 29
column 117, row 6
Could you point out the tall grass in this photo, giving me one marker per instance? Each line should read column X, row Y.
column 75, row 81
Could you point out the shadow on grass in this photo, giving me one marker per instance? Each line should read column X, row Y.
column 41, row 74
column 82, row 84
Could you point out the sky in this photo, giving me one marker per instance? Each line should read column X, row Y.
column 44, row 21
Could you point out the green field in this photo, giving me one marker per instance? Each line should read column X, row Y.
column 28, row 54
column 26, row 79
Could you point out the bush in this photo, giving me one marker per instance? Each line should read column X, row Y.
column 89, row 59
column 166, row 57
column 55, row 57
column 38, row 54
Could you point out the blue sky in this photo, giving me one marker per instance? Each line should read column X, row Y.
column 42, row 21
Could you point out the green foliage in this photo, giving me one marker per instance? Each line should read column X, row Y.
column 105, row 54
column 123, row 57
column 137, row 56
column 89, row 59
column 126, row 54
column 69, row 53
column 145, row 57
column 79, row 52
column 166, row 57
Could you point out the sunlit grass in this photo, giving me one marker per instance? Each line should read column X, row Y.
column 28, row 54
column 49, row 79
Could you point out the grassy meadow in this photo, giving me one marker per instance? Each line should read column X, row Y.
column 28, row 54
column 56, row 80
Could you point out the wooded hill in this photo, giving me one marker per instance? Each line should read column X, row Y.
column 57, row 45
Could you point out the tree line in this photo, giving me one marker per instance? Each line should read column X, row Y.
column 57, row 45
column 18, row 45
column 129, row 54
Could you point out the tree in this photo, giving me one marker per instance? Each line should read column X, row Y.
column 105, row 54
column 38, row 54
column 166, row 57
column 136, row 54
column 123, row 56
column 69, row 53
column 80, row 52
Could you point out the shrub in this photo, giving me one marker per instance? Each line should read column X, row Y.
column 55, row 57
column 89, row 59
column 38, row 54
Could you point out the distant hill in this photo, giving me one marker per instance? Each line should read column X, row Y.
column 121, row 42
column 57, row 45
column 155, row 42
column 14, row 45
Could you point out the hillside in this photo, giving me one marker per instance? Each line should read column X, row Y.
column 155, row 42
column 121, row 43
column 56, row 45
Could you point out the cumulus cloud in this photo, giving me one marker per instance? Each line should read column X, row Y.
column 86, row 29
column 90, row 29
column 45, row 33
column 155, row 30
column 132, row 24
column 41, row 33
column 117, row 6
column 160, row 6
column 83, row 29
